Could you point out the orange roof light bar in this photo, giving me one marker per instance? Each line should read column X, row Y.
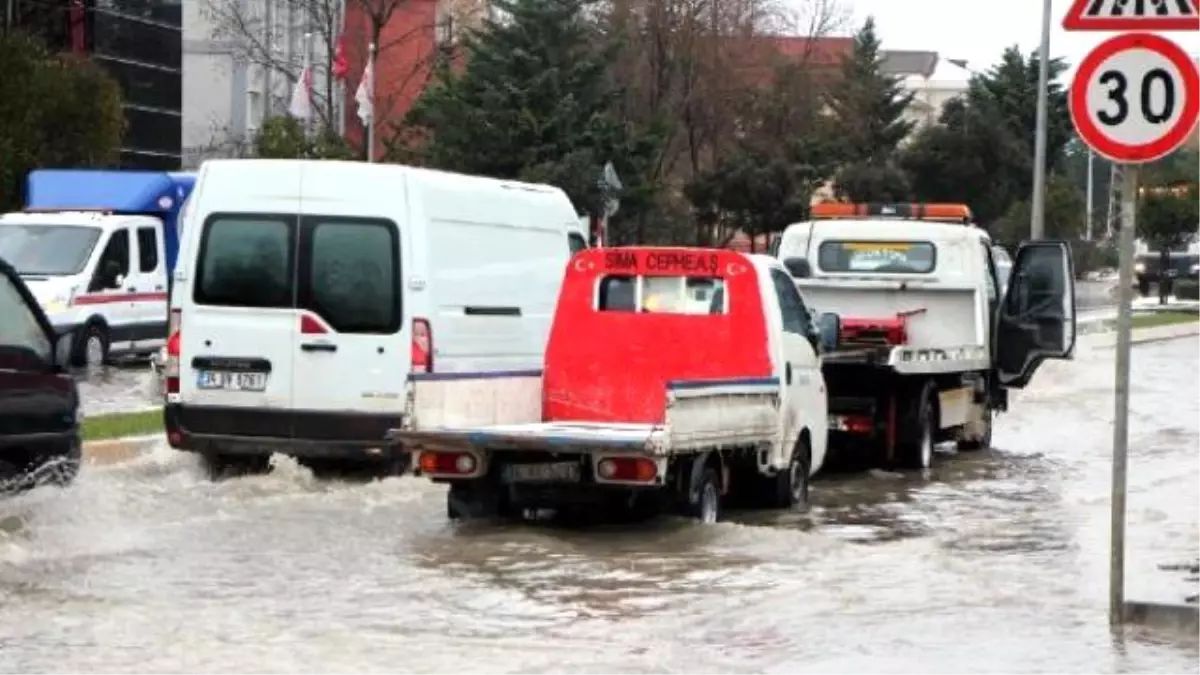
column 958, row 213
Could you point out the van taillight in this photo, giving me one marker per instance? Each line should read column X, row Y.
column 171, row 365
column 422, row 347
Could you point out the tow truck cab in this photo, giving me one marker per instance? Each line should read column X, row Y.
column 97, row 249
column 932, row 335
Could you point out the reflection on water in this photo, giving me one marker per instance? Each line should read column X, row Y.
column 992, row 562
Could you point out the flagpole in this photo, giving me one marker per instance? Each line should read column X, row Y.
column 308, row 56
column 371, row 53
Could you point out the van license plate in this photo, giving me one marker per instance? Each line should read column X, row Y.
column 219, row 379
column 556, row 472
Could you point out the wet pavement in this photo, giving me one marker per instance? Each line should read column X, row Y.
column 994, row 562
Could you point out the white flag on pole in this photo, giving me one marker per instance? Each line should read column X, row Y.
column 365, row 96
column 301, row 104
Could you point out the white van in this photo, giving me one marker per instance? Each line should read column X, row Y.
column 101, row 274
column 308, row 291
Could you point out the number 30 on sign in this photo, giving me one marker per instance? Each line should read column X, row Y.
column 1135, row 98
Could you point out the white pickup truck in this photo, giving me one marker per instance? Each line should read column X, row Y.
column 933, row 332
column 673, row 378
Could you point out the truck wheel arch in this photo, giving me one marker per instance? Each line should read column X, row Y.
column 710, row 459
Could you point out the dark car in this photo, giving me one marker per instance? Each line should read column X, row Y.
column 39, row 402
column 1147, row 269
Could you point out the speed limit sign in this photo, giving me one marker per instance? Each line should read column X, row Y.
column 1135, row 98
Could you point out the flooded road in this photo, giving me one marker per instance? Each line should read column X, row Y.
column 994, row 562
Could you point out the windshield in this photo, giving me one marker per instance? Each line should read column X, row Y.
column 879, row 257
column 47, row 250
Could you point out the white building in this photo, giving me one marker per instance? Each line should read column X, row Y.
column 933, row 80
column 230, row 63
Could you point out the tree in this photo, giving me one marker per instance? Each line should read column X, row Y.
column 982, row 149
column 1168, row 220
column 1065, row 215
column 60, row 111
column 868, row 104
column 968, row 157
column 280, row 53
column 532, row 101
column 784, row 152
column 286, row 138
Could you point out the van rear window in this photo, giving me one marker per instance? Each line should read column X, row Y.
column 877, row 257
column 246, row 261
column 662, row 295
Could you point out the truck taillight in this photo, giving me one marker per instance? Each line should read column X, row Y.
column 171, row 364
column 422, row 346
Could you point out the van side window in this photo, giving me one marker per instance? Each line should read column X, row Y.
column 246, row 261
column 795, row 314
column 147, row 249
column 20, row 329
column 576, row 242
column 352, row 273
column 113, row 263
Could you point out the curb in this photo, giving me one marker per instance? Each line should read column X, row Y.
column 1163, row 615
column 113, row 450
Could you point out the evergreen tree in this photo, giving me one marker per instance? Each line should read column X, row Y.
column 532, row 102
column 868, row 104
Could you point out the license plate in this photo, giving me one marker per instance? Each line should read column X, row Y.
column 219, row 379
column 556, row 472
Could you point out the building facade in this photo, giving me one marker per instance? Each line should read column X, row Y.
column 139, row 42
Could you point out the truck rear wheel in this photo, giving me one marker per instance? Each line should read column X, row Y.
column 916, row 449
column 707, row 507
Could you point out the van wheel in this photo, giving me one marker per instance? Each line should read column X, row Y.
column 984, row 441
column 916, row 451
column 92, row 347
column 707, row 507
column 790, row 488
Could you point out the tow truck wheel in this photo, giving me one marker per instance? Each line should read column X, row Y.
column 916, row 451
column 707, row 507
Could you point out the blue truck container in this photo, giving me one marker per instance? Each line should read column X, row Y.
column 146, row 193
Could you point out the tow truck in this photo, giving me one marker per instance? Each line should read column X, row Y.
column 674, row 379
column 931, row 337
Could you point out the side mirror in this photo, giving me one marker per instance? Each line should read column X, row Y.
column 798, row 267
column 64, row 347
column 119, row 281
column 829, row 329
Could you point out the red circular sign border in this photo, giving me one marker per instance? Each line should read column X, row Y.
column 1148, row 152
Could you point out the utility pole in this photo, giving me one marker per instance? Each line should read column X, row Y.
column 268, row 58
column 1038, row 225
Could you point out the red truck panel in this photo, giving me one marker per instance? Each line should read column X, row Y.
column 614, row 366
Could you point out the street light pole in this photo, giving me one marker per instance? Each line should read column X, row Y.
column 1038, row 224
column 1091, row 191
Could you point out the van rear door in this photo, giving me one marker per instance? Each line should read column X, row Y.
column 239, row 331
column 353, row 351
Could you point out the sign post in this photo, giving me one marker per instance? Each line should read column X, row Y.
column 1135, row 99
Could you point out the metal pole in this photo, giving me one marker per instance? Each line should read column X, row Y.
column 1037, row 226
column 8, row 16
column 371, row 53
column 1116, row 572
column 1091, row 190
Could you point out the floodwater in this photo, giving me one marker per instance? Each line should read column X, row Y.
column 994, row 562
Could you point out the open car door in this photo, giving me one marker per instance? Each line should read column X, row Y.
column 1037, row 317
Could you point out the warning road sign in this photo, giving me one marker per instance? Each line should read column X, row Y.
column 1111, row 15
column 1135, row 98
